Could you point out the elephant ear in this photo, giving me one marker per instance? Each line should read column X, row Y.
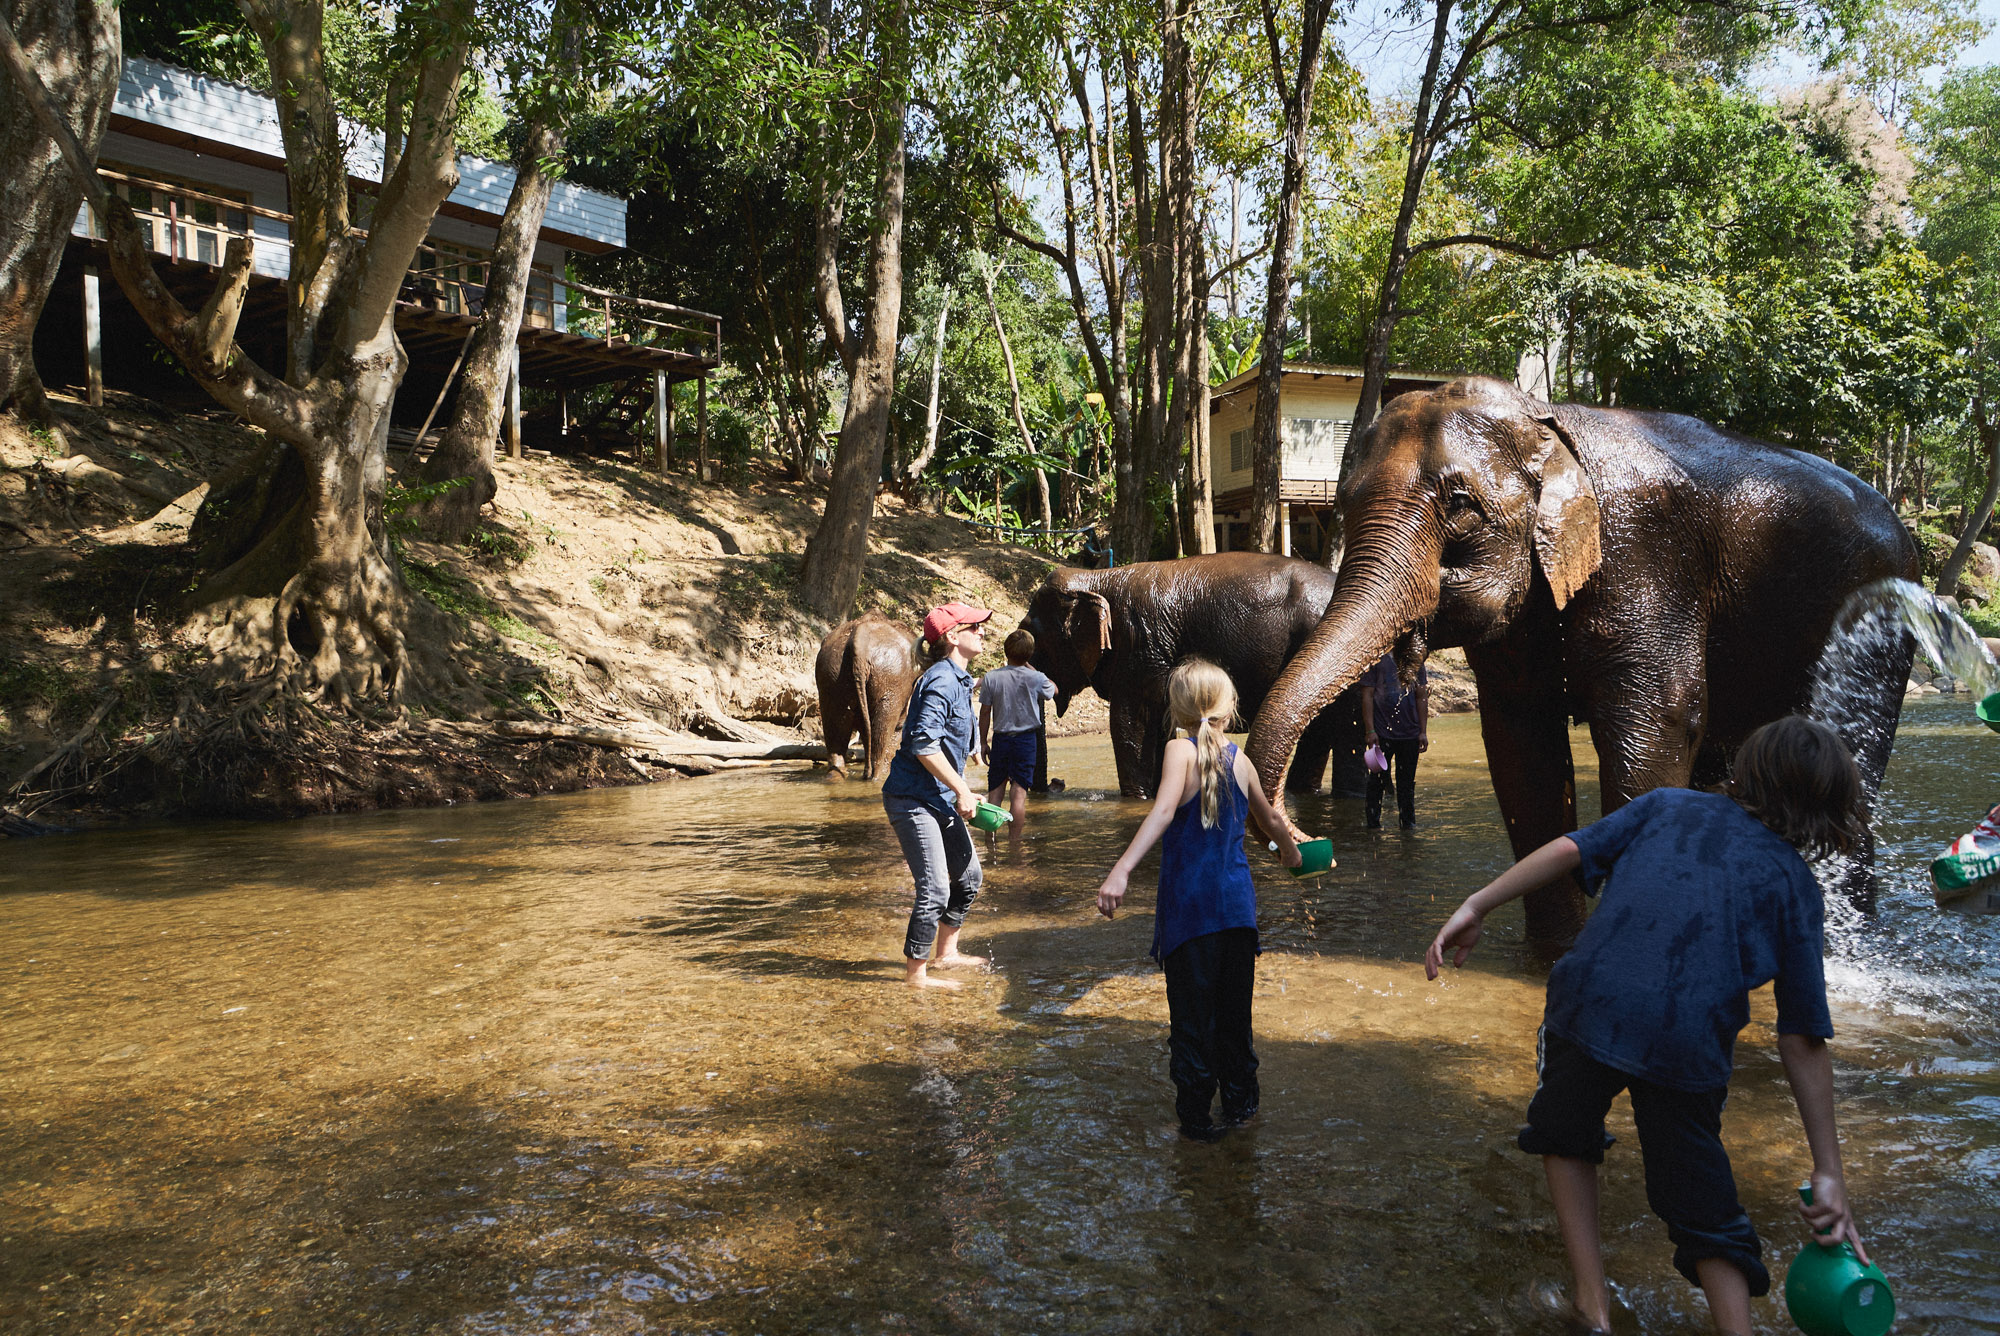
column 1566, row 518
column 1087, row 625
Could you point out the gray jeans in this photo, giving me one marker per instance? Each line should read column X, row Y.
column 945, row 863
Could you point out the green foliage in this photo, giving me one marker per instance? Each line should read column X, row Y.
column 455, row 595
column 398, row 500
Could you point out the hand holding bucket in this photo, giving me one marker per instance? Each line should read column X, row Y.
column 1830, row 1291
column 1374, row 759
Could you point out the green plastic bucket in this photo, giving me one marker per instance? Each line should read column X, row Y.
column 1829, row 1292
column 1315, row 858
column 990, row 818
column 1988, row 711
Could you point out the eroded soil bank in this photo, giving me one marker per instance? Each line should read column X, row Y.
column 594, row 594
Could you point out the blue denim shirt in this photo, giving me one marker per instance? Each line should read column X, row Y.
column 1702, row 902
column 940, row 720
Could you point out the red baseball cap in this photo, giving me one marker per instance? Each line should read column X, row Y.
column 942, row 619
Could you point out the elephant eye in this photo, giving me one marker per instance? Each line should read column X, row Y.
column 1462, row 513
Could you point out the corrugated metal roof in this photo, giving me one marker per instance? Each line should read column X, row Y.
column 225, row 113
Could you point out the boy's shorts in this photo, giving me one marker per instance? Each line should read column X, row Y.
column 1688, row 1180
column 1011, row 758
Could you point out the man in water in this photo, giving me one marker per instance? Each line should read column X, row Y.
column 1399, row 722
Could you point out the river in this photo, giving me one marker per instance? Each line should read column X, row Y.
column 637, row 1060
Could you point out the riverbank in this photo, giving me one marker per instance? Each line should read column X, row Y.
column 594, row 597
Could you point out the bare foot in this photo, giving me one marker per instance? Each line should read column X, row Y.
column 917, row 975
column 955, row 961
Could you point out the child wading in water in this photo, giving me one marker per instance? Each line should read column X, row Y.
column 1705, row 897
column 1010, row 719
column 1205, row 924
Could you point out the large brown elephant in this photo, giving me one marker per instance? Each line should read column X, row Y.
column 1122, row 632
column 865, row 672
column 1668, row 583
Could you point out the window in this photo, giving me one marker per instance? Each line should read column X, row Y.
column 1239, row 451
column 1314, row 448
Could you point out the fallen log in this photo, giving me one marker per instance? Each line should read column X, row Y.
column 660, row 743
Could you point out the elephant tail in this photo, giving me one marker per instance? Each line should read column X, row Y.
column 857, row 673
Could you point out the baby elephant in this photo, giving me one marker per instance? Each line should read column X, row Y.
column 866, row 670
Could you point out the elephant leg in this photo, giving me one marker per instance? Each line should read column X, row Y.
column 1128, row 742
column 1338, row 730
column 1648, row 727
column 1524, row 720
column 838, row 723
column 1153, row 753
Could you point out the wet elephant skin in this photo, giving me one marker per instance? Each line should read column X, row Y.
column 1122, row 632
column 1669, row 583
column 865, row 672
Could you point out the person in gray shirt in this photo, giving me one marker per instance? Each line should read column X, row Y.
column 1010, row 719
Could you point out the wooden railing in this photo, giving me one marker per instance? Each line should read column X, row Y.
column 184, row 223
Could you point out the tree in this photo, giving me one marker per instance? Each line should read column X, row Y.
column 831, row 575
column 73, row 47
column 1295, row 83
column 1961, row 197
column 301, row 584
column 549, row 95
column 1543, row 83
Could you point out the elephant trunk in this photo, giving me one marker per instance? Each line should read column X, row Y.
column 1387, row 584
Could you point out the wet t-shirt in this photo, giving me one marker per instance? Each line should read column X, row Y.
column 1701, row 902
column 1396, row 716
column 1015, row 695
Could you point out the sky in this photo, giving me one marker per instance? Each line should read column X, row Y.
column 1390, row 51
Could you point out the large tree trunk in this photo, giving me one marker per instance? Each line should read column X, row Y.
column 832, row 571
column 1200, row 490
column 306, row 591
column 467, row 448
column 1296, row 96
column 74, row 46
column 1975, row 524
column 915, row 473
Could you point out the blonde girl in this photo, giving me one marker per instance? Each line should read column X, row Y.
column 1205, row 922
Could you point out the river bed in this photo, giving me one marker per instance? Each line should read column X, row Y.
column 638, row 1060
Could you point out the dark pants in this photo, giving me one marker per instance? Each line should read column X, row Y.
column 1688, row 1180
column 944, row 863
column 1402, row 754
column 1209, row 980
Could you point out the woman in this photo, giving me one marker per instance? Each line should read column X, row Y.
column 928, row 799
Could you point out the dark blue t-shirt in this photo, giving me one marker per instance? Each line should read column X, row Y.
column 940, row 720
column 1701, row 903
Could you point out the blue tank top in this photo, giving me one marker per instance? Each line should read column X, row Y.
column 1205, row 881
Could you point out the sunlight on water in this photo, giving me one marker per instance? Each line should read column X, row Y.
column 636, row 1061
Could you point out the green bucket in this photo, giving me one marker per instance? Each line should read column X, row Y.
column 1829, row 1292
column 1988, row 711
column 1315, row 858
column 990, row 818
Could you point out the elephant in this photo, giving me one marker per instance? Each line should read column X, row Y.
column 1121, row 632
column 1669, row 583
column 865, row 671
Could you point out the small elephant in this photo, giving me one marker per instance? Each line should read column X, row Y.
column 866, row 670
column 1121, row 632
column 1666, row 582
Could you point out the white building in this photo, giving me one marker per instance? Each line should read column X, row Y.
column 201, row 159
column 1316, row 404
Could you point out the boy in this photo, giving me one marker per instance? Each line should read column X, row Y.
column 1707, row 897
column 1010, row 714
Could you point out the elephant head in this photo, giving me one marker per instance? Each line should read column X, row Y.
column 1457, row 505
column 1071, row 624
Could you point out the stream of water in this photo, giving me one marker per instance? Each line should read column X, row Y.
column 637, row 1060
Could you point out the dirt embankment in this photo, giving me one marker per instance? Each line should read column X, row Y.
column 594, row 596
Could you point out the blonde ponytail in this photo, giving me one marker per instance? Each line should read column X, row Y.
column 1202, row 700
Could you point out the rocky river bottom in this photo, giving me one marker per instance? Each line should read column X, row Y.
column 638, row 1060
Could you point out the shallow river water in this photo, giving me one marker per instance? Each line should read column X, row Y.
column 637, row 1060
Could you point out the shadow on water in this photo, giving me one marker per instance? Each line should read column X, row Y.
column 636, row 1061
